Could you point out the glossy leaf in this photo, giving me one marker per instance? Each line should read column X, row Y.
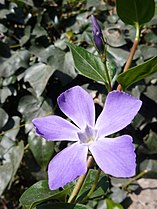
column 112, row 205
column 31, row 107
column 150, row 165
column 40, row 192
column 151, row 142
column 100, row 189
column 135, row 11
column 88, row 64
column 137, row 73
column 38, row 76
column 42, row 150
column 5, row 176
column 63, row 206
column 11, row 65
column 12, row 156
column 3, row 118
column 13, row 127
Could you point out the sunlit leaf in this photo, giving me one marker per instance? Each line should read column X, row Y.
column 137, row 73
column 110, row 204
column 38, row 76
column 18, row 59
column 88, row 64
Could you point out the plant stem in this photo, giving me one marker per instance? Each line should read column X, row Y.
column 132, row 52
column 80, row 181
column 94, row 184
column 103, row 58
column 124, row 186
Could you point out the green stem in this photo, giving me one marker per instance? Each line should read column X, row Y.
column 94, row 184
column 80, row 182
column 124, row 186
column 132, row 52
column 103, row 58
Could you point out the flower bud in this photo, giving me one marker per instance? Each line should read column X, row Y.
column 97, row 35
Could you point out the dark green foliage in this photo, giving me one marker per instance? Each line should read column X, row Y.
column 36, row 65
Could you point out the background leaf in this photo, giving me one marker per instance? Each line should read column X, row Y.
column 38, row 76
column 12, row 156
column 3, row 118
column 41, row 149
column 135, row 11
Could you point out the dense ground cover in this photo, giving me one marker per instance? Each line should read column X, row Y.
column 36, row 65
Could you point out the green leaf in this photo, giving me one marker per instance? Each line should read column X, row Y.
column 41, row 148
column 38, row 76
column 135, row 11
column 18, row 59
column 12, row 127
column 151, row 166
column 88, row 64
column 5, row 92
column 12, row 155
column 31, row 107
column 100, row 189
column 40, row 192
column 151, row 142
column 112, row 205
column 5, row 176
column 137, row 73
column 3, row 118
column 62, row 206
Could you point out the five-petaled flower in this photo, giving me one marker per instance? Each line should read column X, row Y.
column 115, row 156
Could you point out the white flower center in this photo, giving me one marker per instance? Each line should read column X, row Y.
column 87, row 136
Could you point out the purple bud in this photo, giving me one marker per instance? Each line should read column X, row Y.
column 97, row 35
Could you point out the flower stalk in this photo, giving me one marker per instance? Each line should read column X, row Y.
column 94, row 184
column 100, row 46
column 124, row 186
column 80, row 181
column 132, row 52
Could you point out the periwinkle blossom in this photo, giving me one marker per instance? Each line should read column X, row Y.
column 97, row 35
column 115, row 156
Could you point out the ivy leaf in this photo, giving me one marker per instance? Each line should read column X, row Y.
column 38, row 76
column 41, row 148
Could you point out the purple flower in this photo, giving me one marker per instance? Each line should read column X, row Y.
column 115, row 156
column 97, row 35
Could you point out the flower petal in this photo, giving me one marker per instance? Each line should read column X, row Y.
column 67, row 165
column 119, row 110
column 78, row 105
column 115, row 156
column 55, row 128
